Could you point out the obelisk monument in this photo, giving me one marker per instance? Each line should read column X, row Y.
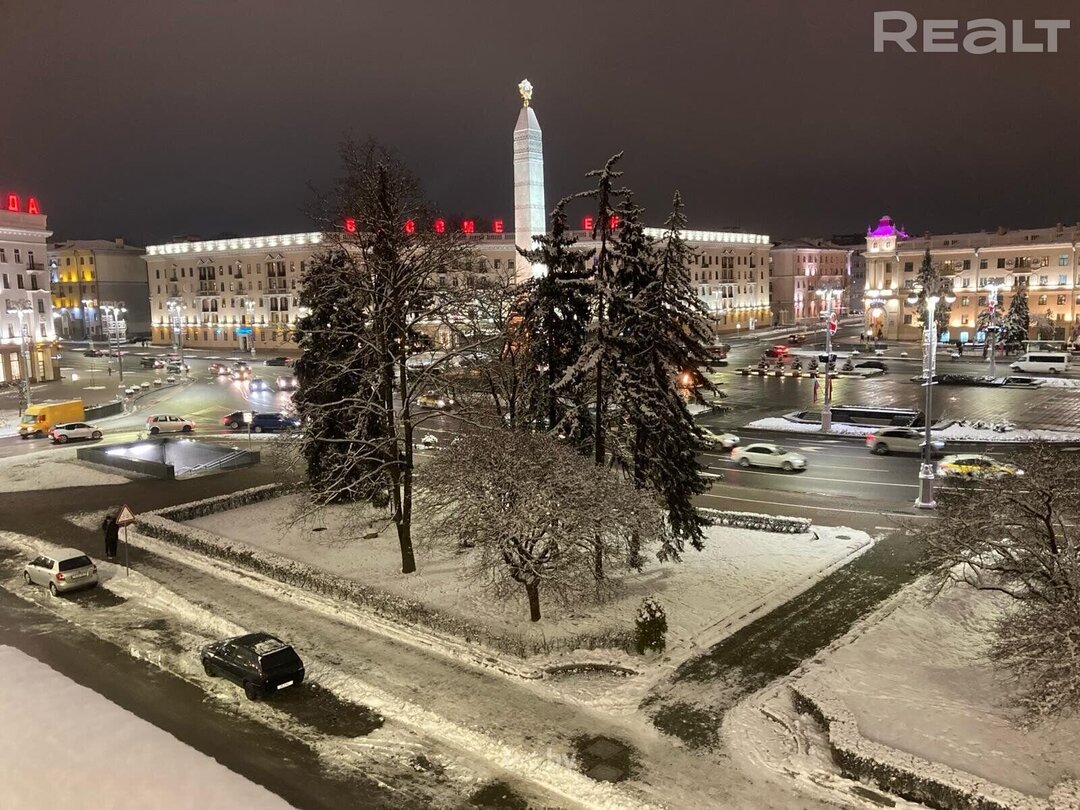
column 530, row 216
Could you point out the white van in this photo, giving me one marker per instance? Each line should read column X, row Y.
column 1053, row 362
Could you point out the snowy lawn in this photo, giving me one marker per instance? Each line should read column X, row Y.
column 705, row 596
column 20, row 474
column 116, row 759
column 917, row 681
column 954, row 432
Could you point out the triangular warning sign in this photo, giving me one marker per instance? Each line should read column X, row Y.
column 125, row 517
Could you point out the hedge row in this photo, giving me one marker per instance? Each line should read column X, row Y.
column 758, row 522
column 903, row 774
column 163, row 525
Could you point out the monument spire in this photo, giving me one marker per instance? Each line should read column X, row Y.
column 530, row 215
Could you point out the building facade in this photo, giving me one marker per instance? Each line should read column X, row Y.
column 27, row 334
column 99, row 290
column 243, row 293
column 803, row 271
column 980, row 266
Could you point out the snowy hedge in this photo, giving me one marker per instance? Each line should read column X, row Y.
column 163, row 526
column 904, row 774
column 758, row 522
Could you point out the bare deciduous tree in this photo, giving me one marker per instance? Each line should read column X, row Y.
column 533, row 509
column 1019, row 535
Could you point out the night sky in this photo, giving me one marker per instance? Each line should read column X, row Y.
column 147, row 120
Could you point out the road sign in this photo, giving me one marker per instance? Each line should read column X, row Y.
column 832, row 324
column 126, row 516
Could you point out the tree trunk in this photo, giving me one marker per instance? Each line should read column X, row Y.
column 532, row 590
column 598, row 559
column 404, row 524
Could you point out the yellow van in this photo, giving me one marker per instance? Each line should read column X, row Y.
column 38, row 420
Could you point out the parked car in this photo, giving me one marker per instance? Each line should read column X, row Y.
column 279, row 361
column 151, row 362
column 779, row 350
column 267, row 422
column 725, row 440
column 93, row 353
column 262, row 664
column 64, row 433
column 435, row 400
column 168, row 424
column 429, row 441
column 220, row 369
column 900, row 440
column 257, row 385
column 66, row 569
column 762, row 454
column 973, row 465
column 878, row 364
column 234, row 420
column 286, row 383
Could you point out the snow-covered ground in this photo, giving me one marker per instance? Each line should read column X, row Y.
column 22, row 473
column 119, row 760
column 954, row 432
column 916, row 679
column 739, row 571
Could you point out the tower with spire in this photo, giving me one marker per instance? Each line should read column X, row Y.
column 530, row 215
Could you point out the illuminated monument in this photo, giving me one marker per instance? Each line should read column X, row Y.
column 530, row 216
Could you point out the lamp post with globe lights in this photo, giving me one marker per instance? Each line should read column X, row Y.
column 926, row 470
column 828, row 294
column 176, row 323
column 23, row 310
column 992, row 327
column 114, row 314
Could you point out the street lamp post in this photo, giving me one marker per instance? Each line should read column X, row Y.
column 88, row 335
column 176, row 322
column 926, row 469
column 992, row 326
column 249, row 305
column 23, row 309
column 826, row 411
column 114, row 313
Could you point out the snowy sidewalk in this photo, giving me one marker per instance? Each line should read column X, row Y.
column 100, row 755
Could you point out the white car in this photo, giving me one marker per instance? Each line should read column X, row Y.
column 725, row 440
column 168, row 424
column 430, row 440
column 74, row 430
column 63, row 570
column 768, row 455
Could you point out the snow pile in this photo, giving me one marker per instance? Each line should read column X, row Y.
column 913, row 690
column 788, row 426
column 112, row 758
column 20, row 474
column 739, row 571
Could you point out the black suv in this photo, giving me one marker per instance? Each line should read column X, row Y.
column 259, row 662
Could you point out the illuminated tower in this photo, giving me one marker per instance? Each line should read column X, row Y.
column 530, row 216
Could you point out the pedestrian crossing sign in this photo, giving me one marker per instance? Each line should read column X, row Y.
column 125, row 517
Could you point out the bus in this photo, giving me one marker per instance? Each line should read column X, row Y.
column 868, row 415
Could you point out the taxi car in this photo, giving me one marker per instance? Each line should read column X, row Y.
column 972, row 465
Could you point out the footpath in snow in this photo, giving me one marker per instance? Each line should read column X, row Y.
column 99, row 754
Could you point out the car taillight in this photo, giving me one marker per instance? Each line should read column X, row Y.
column 59, row 576
column 870, row 438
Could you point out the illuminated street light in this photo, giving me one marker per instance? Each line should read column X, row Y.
column 926, row 471
column 23, row 309
column 828, row 293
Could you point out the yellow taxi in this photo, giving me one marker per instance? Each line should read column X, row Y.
column 972, row 465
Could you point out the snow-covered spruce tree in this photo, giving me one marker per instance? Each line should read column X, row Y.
column 928, row 281
column 394, row 272
column 1022, row 541
column 594, row 362
column 650, row 627
column 1017, row 321
column 555, row 318
column 337, row 399
column 532, row 508
column 660, row 331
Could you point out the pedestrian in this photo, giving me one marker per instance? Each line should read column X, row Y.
column 960, row 347
column 112, row 534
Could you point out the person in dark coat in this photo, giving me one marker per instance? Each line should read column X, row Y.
column 112, row 534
